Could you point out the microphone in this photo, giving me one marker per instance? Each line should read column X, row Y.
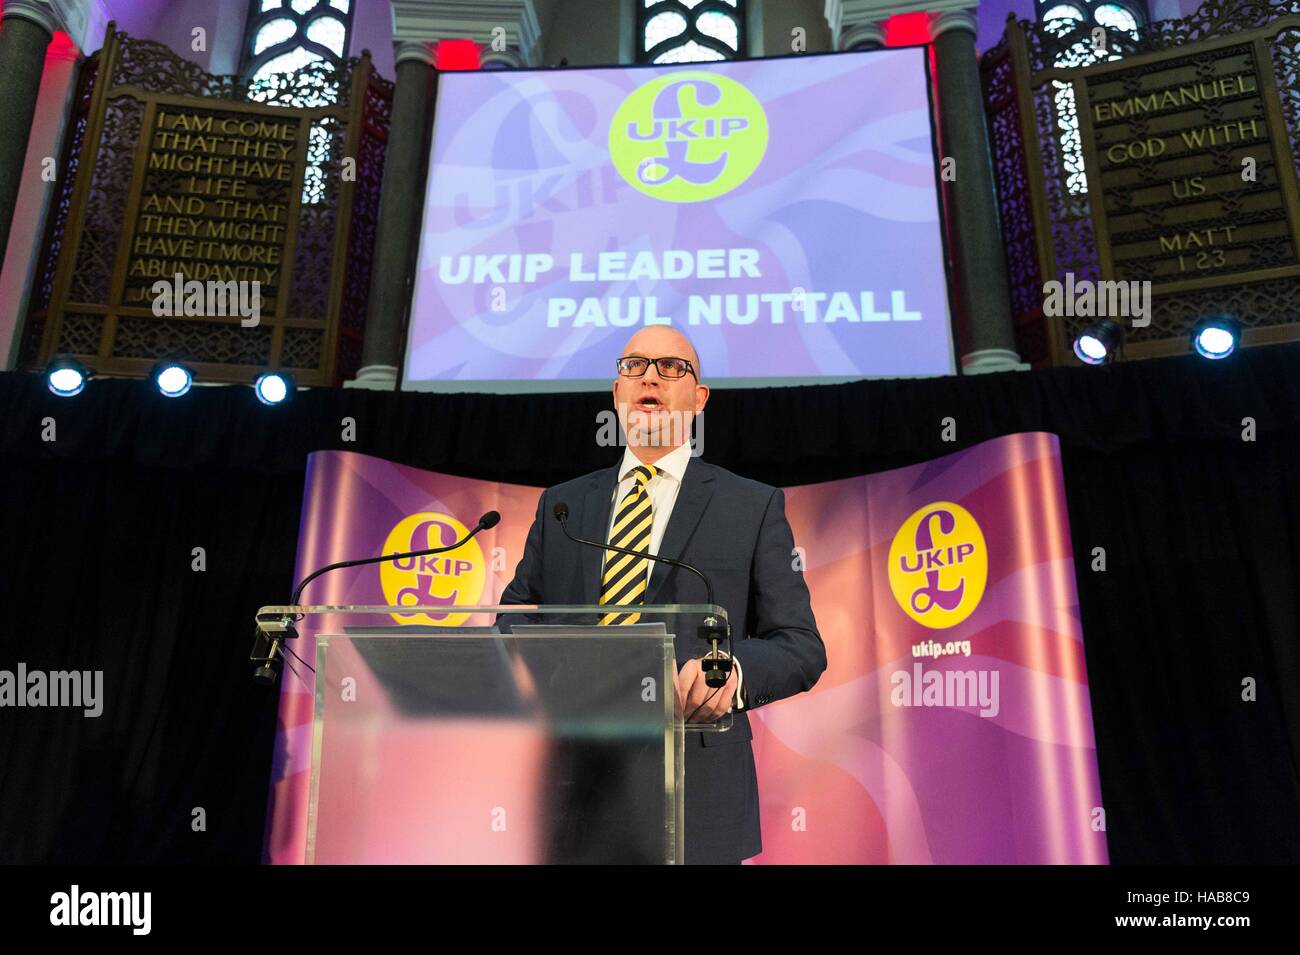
column 281, row 628
column 716, row 669
column 487, row 521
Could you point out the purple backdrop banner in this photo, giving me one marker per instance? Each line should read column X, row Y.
column 953, row 724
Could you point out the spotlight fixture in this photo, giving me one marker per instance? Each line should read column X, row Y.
column 1097, row 343
column 66, row 376
column 172, row 378
column 1216, row 337
column 274, row 387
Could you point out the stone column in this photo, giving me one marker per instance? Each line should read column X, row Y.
column 27, row 29
column 981, row 297
column 508, row 59
column 418, row 25
column 857, row 24
column 397, row 232
column 982, row 301
column 863, row 35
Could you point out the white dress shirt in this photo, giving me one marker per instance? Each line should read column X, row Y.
column 662, row 488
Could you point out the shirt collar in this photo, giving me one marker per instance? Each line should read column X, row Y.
column 673, row 463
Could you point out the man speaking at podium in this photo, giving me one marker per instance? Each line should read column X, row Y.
column 660, row 501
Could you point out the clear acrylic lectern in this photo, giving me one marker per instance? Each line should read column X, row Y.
column 494, row 734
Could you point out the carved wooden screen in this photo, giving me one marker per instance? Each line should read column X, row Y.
column 309, row 184
column 1085, row 188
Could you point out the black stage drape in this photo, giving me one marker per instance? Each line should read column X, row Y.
column 106, row 496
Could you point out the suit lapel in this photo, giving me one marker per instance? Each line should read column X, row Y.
column 697, row 488
column 596, row 506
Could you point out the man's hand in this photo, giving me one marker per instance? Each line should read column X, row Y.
column 693, row 691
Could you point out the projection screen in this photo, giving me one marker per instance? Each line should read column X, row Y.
column 784, row 213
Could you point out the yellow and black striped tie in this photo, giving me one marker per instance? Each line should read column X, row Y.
column 624, row 579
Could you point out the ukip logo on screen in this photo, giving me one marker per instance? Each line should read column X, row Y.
column 938, row 565
column 440, row 580
column 688, row 136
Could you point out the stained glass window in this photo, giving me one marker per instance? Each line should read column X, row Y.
column 1061, row 19
column 283, row 36
column 690, row 31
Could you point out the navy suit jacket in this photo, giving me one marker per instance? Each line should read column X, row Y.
column 735, row 531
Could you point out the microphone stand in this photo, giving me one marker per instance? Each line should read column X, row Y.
column 280, row 627
column 717, row 669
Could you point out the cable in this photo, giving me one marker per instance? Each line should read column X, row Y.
column 298, row 658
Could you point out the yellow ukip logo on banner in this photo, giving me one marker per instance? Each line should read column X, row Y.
column 938, row 565
column 688, row 136
column 439, row 580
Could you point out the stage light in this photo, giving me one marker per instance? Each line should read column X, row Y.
column 66, row 376
column 1216, row 337
column 274, row 387
column 1097, row 343
column 172, row 378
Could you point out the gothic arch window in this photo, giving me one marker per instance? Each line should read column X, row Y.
column 286, row 35
column 690, row 31
column 1061, row 17
column 1121, row 14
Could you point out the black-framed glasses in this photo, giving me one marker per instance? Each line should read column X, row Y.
column 636, row 367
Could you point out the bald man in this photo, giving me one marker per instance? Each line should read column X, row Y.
column 659, row 500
